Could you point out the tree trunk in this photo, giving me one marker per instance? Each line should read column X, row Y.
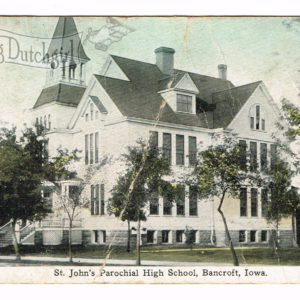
column 138, row 236
column 70, row 242
column 234, row 256
column 128, row 237
column 294, row 230
column 15, row 241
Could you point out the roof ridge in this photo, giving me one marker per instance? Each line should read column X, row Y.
column 179, row 70
column 236, row 87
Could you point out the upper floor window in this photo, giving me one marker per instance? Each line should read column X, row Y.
column 257, row 121
column 179, row 149
column 92, row 111
column 184, row 103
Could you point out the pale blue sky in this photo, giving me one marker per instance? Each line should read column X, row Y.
column 254, row 48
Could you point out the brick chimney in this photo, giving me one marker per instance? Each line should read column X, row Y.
column 165, row 59
column 222, row 71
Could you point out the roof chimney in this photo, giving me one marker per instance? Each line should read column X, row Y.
column 165, row 59
column 222, row 71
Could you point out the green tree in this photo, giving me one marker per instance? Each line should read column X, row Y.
column 292, row 115
column 220, row 172
column 279, row 181
column 145, row 171
column 22, row 164
column 72, row 200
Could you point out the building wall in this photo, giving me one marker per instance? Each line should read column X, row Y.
column 117, row 132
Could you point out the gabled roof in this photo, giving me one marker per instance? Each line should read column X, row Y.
column 62, row 93
column 64, row 35
column 99, row 104
column 229, row 102
column 139, row 97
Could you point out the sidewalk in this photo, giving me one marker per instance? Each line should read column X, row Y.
column 44, row 260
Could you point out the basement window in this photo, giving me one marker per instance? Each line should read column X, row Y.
column 242, row 236
column 264, row 236
column 253, row 236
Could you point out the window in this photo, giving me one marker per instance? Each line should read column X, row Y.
column 253, row 202
column 179, row 236
column 154, row 203
column 91, row 148
column 180, row 202
column 96, row 115
column 190, row 236
column 243, row 202
column 263, row 124
column 253, row 156
column 150, row 236
column 167, row 207
column 96, row 199
column 257, row 117
column 264, row 202
column 192, row 150
column 253, row 236
column 193, row 201
column 96, row 147
column 41, row 121
column 92, row 111
column 184, row 103
column 252, row 122
column 263, row 156
column 273, row 152
column 179, row 149
column 45, row 121
column 47, row 195
column 165, row 236
column 167, row 147
column 96, row 236
column 92, row 201
column 102, row 200
column 103, row 236
column 86, row 147
column 49, row 122
column 37, row 121
column 99, row 236
column 74, row 192
column 264, row 236
column 242, row 236
column 243, row 155
column 86, row 117
column 153, row 140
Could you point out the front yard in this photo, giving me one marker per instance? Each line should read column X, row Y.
column 246, row 255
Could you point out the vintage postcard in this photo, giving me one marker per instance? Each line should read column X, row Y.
column 149, row 149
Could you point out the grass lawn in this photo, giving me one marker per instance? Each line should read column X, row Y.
column 246, row 255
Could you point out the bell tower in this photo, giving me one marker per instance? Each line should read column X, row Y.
column 66, row 57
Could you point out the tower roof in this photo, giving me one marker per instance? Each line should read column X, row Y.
column 66, row 39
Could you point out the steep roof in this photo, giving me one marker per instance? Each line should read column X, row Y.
column 229, row 102
column 62, row 93
column 139, row 97
column 66, row 39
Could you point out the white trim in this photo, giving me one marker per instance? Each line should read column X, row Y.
column 186, row 75
column 241, row 109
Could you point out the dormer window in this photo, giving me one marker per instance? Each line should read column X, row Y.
column 257, row 122
column 184, row 103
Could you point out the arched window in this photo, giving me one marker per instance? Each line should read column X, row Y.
column 257, row 118
column 92, row 110
column 72, row 68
